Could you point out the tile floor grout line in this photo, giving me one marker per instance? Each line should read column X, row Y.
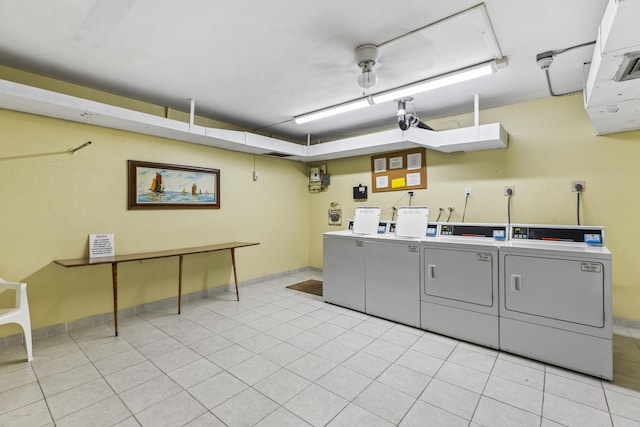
column 384, row 343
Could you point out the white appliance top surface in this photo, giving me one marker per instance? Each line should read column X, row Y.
column 343, row 233
column 577, row 247
column 463, row 240
column 393, row 238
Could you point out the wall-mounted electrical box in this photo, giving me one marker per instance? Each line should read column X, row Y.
column 315, row 175
column 360, row 192
column 319, row 180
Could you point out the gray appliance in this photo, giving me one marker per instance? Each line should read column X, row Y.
column 392, row 277
column 459, row 292
column 555, row 297
column 343, row 278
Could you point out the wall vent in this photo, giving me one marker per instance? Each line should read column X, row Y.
column 276, row 154
column 630, row 67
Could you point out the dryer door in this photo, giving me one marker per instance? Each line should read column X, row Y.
column 460, row 275
column 563, row 289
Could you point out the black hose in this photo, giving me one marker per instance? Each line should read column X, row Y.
column 464, row 212
column 578, row 208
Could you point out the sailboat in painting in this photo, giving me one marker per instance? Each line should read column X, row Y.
column 156, row 183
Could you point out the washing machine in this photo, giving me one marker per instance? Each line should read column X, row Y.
column 555, row 297
column 392, row 268
column 343, row 258
column 459, row 289
column 343, row 269
column 392, row 277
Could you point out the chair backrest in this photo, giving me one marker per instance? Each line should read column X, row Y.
column 21, row 292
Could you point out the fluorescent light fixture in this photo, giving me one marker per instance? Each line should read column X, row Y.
column 443, row 80
column 436, row 82
column 332, row 111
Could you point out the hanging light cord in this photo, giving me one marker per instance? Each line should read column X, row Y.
column 464, row 212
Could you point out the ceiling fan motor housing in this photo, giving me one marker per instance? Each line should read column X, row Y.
column 366, row 57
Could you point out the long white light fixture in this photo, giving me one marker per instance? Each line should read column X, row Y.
column 448, row 79
column 332, row 111
column 436, row 82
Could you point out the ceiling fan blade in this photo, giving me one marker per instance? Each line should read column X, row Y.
column 405, row 60
column 102, row 20
column 335, row 53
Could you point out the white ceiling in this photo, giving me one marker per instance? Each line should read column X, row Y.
column 258, row 64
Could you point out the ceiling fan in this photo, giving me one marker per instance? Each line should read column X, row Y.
column 453, row 49
column 382, row 64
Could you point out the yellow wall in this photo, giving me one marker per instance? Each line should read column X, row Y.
column 50, row 201
column 551, row 144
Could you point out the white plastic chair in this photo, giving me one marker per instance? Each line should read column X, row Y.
column 19, row 314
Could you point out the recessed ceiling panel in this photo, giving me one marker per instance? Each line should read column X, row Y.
column 456, row 42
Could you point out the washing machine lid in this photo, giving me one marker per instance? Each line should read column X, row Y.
column 412, row 221
column 366, row 220
column 432, row 228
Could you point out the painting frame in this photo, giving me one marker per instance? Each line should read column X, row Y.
column 168, row 186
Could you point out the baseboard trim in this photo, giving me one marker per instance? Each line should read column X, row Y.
column 635, row 324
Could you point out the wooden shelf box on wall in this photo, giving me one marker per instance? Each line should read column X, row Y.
column 399, row 171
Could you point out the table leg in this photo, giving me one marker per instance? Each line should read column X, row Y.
column 114, row 277
column 235, row 276
column 180, row 285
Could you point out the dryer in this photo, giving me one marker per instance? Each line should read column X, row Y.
column 555, row 297
column 459, row 291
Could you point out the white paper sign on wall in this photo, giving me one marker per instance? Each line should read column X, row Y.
column 101, row 245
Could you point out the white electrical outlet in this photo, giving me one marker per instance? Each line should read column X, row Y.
column 510, row 187
column 467, row 191
column 315, row 174
column 255, row 175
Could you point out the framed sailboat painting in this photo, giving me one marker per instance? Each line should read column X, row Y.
column 166, row 186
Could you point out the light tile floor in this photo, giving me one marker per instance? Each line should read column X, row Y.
column 284, row 358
